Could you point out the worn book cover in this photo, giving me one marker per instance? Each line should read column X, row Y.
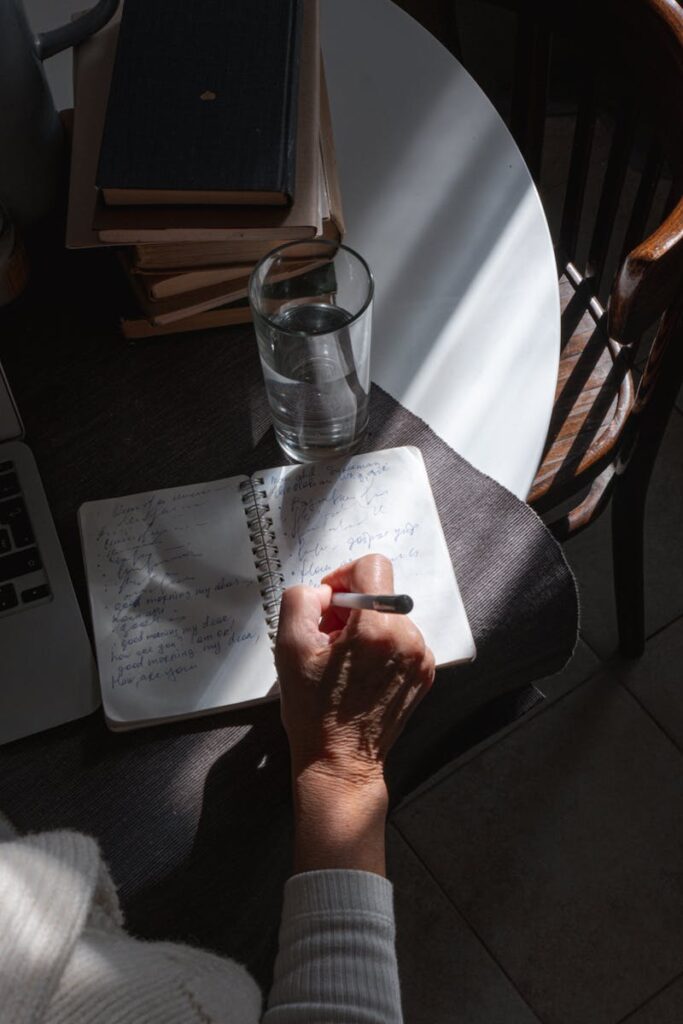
column 167, row 256
column 203, row 103
column 166, row 285
column 90, row 222
column 137, row 328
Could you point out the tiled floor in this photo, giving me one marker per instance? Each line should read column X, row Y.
column 539, row 878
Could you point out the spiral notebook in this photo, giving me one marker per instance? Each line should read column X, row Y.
column 185, row 583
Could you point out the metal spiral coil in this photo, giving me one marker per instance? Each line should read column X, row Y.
column 264, row 549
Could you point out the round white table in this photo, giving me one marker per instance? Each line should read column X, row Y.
column 439, row 200
column 437, row 197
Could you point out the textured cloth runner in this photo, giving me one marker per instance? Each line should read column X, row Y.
column 518, row 590
column 194, row 818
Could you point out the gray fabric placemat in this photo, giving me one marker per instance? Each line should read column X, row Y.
column 195, row 818
column 519, row 593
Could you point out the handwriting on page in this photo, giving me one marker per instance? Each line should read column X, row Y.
column 327, row 516
column 160, row 570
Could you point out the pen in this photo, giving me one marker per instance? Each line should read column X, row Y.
column 398, row 604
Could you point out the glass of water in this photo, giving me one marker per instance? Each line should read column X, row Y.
column 312, row 309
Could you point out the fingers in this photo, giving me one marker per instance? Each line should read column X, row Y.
column 301, row 609
column 371, row 574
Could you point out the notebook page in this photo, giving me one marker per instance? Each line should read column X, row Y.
column 327, row 514
column 176, row 608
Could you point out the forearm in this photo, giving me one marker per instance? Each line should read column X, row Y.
column 337, row 955
column 338, row 824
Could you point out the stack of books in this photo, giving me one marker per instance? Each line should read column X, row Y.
column 202, row 139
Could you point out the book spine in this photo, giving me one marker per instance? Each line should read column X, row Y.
column 287, row 173
column 265, row 551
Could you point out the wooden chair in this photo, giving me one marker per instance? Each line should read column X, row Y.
column 605, row 432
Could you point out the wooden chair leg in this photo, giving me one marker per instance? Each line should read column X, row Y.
column 628, row 519
column 656, row 398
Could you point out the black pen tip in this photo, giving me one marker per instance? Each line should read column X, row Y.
column 404, row 604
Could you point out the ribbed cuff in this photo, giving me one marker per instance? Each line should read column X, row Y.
column 336, row 889
column 337, row 956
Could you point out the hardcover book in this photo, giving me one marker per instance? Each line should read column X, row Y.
column 203, row 103
column 139, row 328
column 179, row 282
column 90, row 222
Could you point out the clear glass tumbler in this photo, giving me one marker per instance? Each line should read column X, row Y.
column 312, row 309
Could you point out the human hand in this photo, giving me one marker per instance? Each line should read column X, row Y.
column 349, row 679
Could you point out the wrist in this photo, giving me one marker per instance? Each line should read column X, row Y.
column 339, row 823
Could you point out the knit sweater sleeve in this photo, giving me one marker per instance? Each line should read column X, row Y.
column 337, row 958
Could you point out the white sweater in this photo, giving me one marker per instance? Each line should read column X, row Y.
column 65, row 958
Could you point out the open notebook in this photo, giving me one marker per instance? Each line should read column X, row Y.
column 185, row 583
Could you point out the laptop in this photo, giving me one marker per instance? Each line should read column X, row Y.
column 47, row 670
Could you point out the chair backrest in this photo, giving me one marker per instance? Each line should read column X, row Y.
column 626, row 59
column 621, row 64
column 650, row 277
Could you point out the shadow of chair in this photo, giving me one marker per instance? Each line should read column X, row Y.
column 439, row 17
column 616, row 69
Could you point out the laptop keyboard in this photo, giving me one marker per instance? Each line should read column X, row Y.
column 23, row 582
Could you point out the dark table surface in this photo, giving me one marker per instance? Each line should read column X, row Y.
column 195, row 818
column 103, row 417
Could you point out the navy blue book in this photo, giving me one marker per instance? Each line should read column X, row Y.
column 203, row 103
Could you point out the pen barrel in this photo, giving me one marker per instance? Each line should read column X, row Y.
column 397, row 604
column 359, row 602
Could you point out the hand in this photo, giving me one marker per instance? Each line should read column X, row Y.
column 349, row 681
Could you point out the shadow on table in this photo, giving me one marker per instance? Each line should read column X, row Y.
column 225, row 894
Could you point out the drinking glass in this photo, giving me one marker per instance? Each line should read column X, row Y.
column 312, row 309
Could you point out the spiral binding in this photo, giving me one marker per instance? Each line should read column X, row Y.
column 264, row 548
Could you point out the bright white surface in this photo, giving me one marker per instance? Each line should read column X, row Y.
column 438, row 199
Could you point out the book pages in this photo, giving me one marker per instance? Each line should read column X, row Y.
column 327, row 514
column 176, row 607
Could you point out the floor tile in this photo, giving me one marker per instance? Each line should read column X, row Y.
column 552, row 847
column 590, row 554
column 664, row 1008
column 584, row 663
column 446, row 973
column 488, row 726
column 464, row 745
column 656, row 680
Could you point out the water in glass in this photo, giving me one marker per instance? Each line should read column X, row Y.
column 318, row 397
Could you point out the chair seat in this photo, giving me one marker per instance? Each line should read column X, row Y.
column 593, row 398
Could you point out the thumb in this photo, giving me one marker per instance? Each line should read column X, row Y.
column 301, row 609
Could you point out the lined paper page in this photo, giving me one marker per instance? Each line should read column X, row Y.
column 329, row 514
column 176, row 608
